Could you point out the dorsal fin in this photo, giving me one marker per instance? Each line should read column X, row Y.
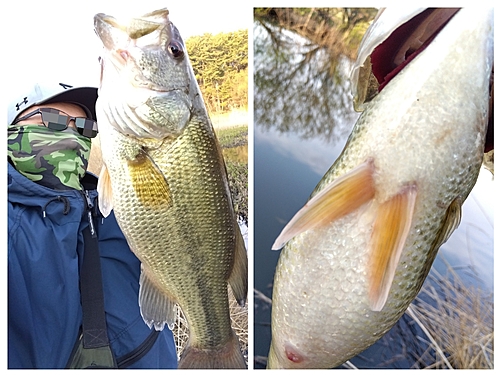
column 157, row 309
column 239, row 273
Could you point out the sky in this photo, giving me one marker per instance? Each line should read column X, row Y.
column 56, row 38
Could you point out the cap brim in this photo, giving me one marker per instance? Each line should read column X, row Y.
column 86, row 97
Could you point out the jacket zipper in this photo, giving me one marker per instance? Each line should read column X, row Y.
column 135, row 355
column 90, row 206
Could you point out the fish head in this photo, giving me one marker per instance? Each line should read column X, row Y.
column 147, row 84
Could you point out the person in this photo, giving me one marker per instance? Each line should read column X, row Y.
column 54, row 227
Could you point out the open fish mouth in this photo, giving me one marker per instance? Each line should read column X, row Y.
column 402, row 46
column 149, row 79
column 385, row 56
column 407, row 41
column 133, row 29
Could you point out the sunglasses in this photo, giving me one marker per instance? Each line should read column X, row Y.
column 58, row 120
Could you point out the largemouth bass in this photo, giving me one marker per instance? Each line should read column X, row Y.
column 165, row 178
column 356, row 255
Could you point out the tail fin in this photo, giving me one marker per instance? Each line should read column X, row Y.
column 228, row 356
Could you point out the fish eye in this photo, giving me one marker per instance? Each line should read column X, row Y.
column 175, row 50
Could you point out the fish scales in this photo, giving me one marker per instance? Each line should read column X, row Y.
column 202, row 251
column 423, row 137
column 165, row 179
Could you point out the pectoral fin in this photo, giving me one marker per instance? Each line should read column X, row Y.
column 148, row 182
column 340, row 197
column 105, row 192
column 391, row 227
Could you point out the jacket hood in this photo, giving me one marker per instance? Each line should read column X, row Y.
column 22, row 190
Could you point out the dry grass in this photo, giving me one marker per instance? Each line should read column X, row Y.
column 489, row 161
column 458, row 322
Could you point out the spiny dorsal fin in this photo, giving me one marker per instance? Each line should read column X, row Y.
column 238, row 277
column 392, row 224
column 156, row 308
column 340, row 197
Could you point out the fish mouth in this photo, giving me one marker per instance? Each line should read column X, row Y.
column 125, row 40
column 104, row 26
column 407, row 42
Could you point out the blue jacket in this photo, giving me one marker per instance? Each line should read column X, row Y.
column 45, row 248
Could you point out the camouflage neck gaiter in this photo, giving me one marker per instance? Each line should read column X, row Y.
column 55, row 159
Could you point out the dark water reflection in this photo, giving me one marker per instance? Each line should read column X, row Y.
column 302, row 119
column 295, row 90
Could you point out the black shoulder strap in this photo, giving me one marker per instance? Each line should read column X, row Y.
column 95, row 334
column 92, row 349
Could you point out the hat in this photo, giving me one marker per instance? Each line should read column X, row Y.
column 46, row 93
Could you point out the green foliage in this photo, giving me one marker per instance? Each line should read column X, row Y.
column 238, row 184
column 232, row 137
column 220, row 64
column 338, row 30
column 234, row 143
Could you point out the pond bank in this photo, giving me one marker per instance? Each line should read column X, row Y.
column 237, row 117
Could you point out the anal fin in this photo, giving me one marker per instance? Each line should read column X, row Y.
column 390, row 230
column 342, row 196
column 450, row 222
